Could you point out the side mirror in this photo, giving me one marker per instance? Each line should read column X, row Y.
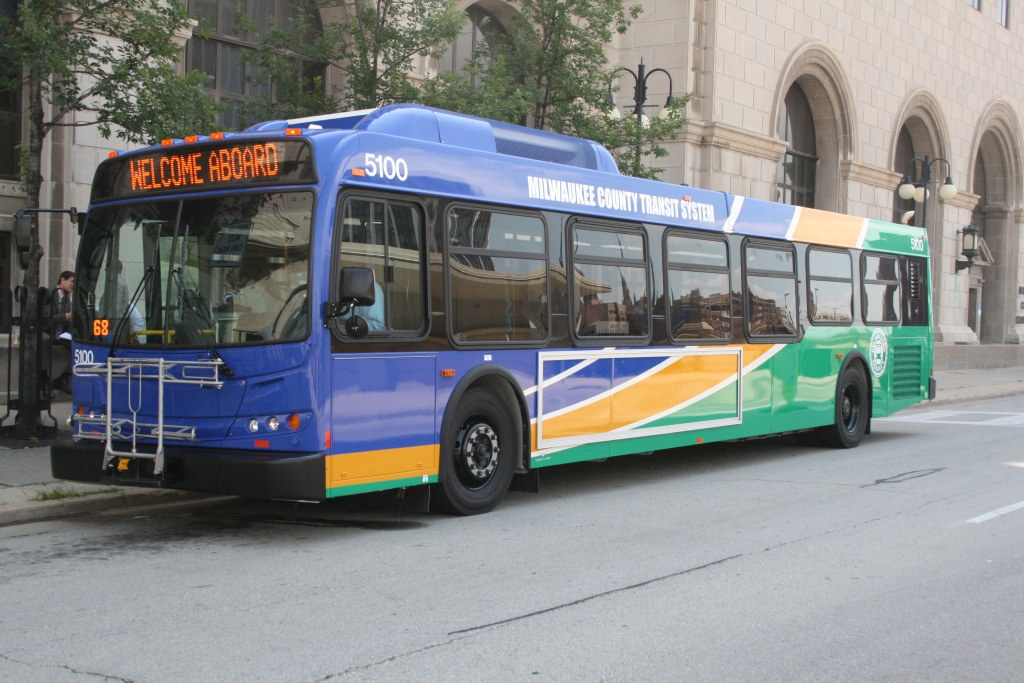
column 357, row 286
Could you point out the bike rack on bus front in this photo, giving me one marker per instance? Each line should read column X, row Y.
column 202, row 373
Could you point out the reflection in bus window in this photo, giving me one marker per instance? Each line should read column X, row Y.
column 498, row 276
column 230, row 269
column 881, row 289
column 386, row 237
column 771, row 292
column 610, row 284
column 830, row 297
column 698, row 288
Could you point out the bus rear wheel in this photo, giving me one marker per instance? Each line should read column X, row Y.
column 852, row 409
column 477, row 456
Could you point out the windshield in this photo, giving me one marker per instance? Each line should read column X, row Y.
column 231, row 269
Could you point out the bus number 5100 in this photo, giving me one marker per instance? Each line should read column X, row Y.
column 387, row 167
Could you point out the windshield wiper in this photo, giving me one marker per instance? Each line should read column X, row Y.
column 185, row 300
column 126, row 316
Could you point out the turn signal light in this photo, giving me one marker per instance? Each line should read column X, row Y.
column 293, row 422
column 81, row 410
column 293, row 131
column 448, row 372
column 216, row 136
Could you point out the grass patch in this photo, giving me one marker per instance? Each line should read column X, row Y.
column 60, row 493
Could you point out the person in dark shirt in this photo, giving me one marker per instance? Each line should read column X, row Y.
column 61, row 307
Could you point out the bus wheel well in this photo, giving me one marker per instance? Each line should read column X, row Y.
column 498, row 381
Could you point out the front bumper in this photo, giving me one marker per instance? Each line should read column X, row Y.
column 288, row 476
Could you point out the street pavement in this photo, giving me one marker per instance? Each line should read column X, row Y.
column 759, row 561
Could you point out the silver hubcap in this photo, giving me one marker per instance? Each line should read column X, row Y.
column 476, row 451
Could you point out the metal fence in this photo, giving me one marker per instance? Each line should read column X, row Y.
column 50, row 358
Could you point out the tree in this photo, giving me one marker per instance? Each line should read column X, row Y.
column 115, row 62
column 549, row 70
column 373, row 47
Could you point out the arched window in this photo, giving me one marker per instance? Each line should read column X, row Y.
column 904, row 153
column 220, row 54
column 480, row 25
column 798, row 166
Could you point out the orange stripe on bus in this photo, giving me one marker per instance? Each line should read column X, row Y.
column 369, row 466
column 825, row 227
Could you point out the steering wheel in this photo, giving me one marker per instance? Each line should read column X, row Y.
column 295, row 316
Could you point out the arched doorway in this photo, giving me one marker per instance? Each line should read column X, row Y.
column 993, row 278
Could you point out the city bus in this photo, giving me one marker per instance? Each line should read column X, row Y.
column 407, row 297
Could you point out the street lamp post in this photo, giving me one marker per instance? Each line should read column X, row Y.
column 640, row 77
column 918, row 189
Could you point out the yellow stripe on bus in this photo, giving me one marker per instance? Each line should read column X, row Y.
column 676, row 383
column 370, row 466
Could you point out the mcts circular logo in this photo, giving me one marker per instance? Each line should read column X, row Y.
column 878, row 352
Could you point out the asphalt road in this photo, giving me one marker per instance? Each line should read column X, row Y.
column 762, row 561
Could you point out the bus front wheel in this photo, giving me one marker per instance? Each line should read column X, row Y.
column 477, row 456
column 852, row 407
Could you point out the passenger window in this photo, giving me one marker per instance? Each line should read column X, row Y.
column 880, row 277
column 698, row 288
column 386, row 237
column 830, row 287
column 609, row 283
column 498, row 276
column 771, row 291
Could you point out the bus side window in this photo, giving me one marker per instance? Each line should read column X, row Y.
column 829, row 287
column 880, row 289
column 916, row 312
column 609, row 283
column 386, row 237
column 698, row 298
column 498, row 275
column 771, row 306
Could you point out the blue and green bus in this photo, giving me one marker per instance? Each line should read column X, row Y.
column 407, row 297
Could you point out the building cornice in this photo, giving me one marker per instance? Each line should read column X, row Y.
column 869, row 175
column 964, row 200
column 735, row 139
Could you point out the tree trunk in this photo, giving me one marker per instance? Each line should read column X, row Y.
column 28, row 394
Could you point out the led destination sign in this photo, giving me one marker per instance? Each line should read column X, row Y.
column 204, row 167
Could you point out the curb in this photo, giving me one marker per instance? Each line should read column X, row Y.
column 99, row 502
column 967, row 394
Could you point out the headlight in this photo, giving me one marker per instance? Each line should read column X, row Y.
column 254, row 425
column 273, row 424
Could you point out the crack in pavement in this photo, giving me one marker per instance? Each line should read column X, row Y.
column 466, row 632
column 105, row 677
column 455, row 636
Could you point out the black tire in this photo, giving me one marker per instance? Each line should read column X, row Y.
column 852, row 411
column 478, row 454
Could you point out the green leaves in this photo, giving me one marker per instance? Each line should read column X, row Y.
column 549, row 70
column 112, row 59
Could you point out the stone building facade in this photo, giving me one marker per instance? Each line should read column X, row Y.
column 817, row 102
column 879, row 82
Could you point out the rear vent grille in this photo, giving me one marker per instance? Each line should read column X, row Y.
column 915, row 280
column 906, row 371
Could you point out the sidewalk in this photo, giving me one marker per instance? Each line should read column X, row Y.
column 29, row 493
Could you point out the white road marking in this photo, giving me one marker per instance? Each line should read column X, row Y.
column 1014, row 464
column 996, row 513
column 996, row 419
